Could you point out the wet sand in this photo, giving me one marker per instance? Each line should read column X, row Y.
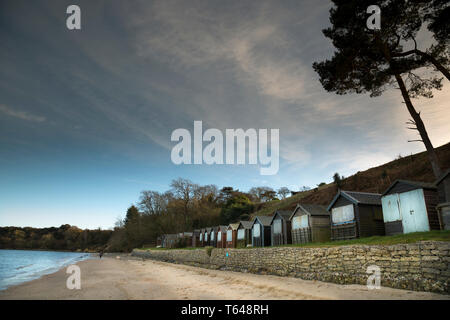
column 111, row 278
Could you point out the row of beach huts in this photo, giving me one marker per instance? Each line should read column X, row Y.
column 406, row 206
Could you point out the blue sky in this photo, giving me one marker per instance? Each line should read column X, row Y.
column 86, row 115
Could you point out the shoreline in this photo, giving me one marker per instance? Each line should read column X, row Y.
column 48, row 250
column 37, row 275
column 108, row 255
column 128, row 278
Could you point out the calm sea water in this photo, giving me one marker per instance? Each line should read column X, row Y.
column 18, row 266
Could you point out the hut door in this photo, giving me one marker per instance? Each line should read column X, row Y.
column 391, row 208
column 413, row 210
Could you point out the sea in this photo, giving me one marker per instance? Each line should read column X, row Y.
column 19, row 266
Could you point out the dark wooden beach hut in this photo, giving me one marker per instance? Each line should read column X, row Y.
column 185, row 239
column 196, row 238
column 310, row 223
column 159, row 241
column 443, row 189
column 232, row 235
column 244, row 234
column 280, row 228
column 261, row 231
column 356, row 215
column 221, row 237
column 410, row 206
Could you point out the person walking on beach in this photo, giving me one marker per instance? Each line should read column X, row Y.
column 100, row 254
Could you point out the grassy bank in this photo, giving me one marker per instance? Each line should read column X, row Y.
column 442, row 235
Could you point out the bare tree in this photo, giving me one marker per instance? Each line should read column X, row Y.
column 283, row 192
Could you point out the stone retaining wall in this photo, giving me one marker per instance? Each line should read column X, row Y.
column 422, row 266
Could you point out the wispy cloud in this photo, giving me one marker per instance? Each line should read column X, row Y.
column 23, row 115
column 256, row 48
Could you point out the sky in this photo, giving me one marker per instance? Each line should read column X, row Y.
column 86, row 115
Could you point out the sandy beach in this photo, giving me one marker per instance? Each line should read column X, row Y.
column 126, row 278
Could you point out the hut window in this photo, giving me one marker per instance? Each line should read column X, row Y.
column 277, row 226
column 201, row 236
column 256, row 230
column 241, row 234
column 300, row 222
column 219, row 236
column 212, row 236
column 229, row 235
column 343, row 214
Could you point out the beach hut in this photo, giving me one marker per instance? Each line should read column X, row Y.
column 410, row 206
column 443, row 189
column 280, row 228
column 196, row 238
column 213, row 236
column 221, row 237
column 310, row 223
column 159, row 241
column 202, row 237
column 232, row 235
column 261, row 231
column 244, row 234
column 164, row 241
column 186, row 239
column 170, row 240
column 356, row 215
column 206, row 237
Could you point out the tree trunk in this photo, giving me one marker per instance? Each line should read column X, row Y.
column 420, row 127
column 432, row 156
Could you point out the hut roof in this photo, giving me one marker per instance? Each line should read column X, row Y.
column 417, row 184
column 233, row 226
column 264, row 220
column 246, row 224
column 357, row 198
column 311, row 209
column 445, row 175
column 282, row 213
column 223, row 228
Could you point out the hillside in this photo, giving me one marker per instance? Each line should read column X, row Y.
column 414, row 167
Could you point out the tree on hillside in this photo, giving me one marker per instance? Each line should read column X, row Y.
column 283, row 192
column 132, row 227
column 236, row 207
column 373, row 60
column 262, row 194
column 206, row 210
column 337, row 180
column 153, row 202
column 184, row 191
